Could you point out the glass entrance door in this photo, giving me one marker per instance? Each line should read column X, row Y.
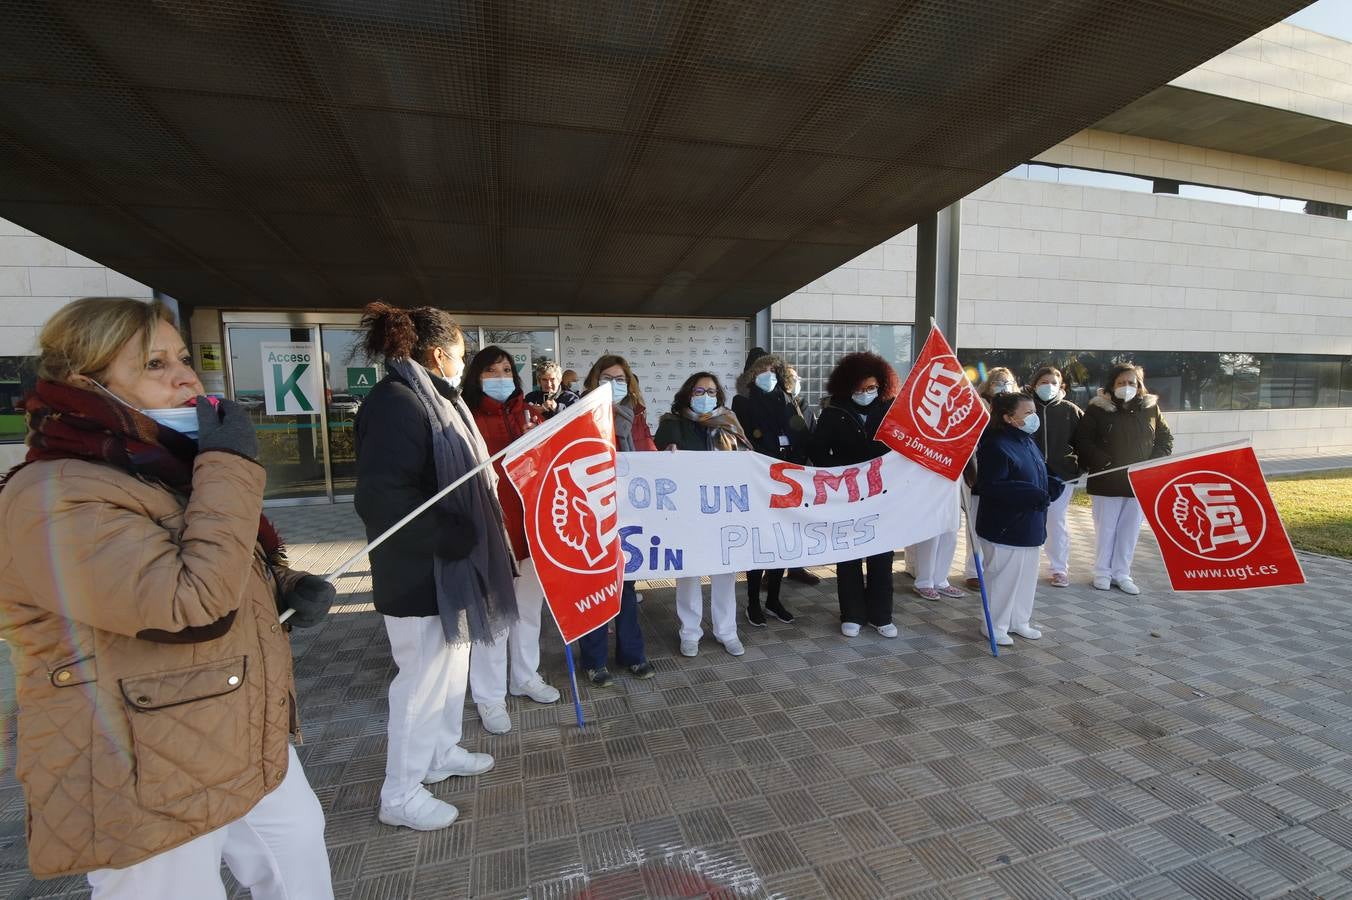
column 271, row 377
column 349, row 377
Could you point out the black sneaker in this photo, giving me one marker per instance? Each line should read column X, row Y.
column 803, row 576
column 601, row 677
column 777, row 610
column 755, row 616
column 643, row 671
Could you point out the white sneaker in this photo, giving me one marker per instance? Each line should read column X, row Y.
column 459, row 762
column 1102, row 582
column 888, row 630
column 689, row 648
column 422, row 813
column 1027, row 631
column 638, row 596
column 849, row 629
column 734, row 647
column 1002, row 638
column 494, row 717
column 1127, row 586
column 537, row 690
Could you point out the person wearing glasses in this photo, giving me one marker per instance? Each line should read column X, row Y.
column 700, row 420
column 632, row 434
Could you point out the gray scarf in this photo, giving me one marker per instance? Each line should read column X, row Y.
column 476, row 596
column 624, row 427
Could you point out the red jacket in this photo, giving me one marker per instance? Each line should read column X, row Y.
column 500, row 424
column 642, row 434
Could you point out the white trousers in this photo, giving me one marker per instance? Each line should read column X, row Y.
column 1117, row 527
column 488, row 662
column 1011, row 581
column 276, row 850
column 722, row 606
column 969, row 566
column 427, row 703
column 1057, row 547
column 930, row 560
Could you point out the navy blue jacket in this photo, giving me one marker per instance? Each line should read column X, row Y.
column 1015, row 488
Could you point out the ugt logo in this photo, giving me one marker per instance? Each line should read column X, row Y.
column 1211, row 516
column 577, row 514
column 944, row 404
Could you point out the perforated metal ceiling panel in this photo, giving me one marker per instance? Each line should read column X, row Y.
column 598, row 155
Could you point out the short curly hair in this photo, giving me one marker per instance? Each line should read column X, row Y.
column 854, row 368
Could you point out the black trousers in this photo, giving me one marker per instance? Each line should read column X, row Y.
column 866, row 601
column 773, row 578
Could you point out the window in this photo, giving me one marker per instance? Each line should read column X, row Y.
column 1191, row 380
column 18, row 376
column 812, row 348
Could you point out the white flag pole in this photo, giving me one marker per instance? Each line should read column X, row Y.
column 1163, row 460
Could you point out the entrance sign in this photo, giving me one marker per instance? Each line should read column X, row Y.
column 938, row 417
column 1215, row 521
column 564, row 471
column 361, row 380
column 290, row 378
column 690, row 513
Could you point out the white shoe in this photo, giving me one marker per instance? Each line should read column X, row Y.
column 422, row 813
column 888, row 630
column 1002, row 638
column 638, row 596
column 689, row 648
column 1127, row 586
column 459, row 762
column 1102, row 582
column 537, row 690
column 849, row 629
column 494, row 717
column 1027, row 631
column 734, row 647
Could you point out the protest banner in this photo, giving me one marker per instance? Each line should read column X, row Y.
column 937, row 418
column 564, row 471
column 1216, row 524
column 688, row 513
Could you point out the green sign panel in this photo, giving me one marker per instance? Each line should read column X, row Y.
column 361, row 380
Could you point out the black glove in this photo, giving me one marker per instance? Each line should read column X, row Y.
column 456, row 536
column 310, row 597
column 226, row 427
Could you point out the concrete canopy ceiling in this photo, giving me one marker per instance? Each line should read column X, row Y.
column 679, row 157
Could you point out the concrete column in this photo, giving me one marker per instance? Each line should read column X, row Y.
column 760, row 329
column 936, row 275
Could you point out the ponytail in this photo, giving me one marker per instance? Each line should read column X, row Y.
column 394, row 333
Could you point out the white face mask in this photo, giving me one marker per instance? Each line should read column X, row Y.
column 182, row 419
column 1047, row 392
column 704, row 405
column 1030, row 424
column 864, row 398
column 796, row 389
column 766, row 381
column 1002, row 387
column 575, row 387
column 1125, row 393
column 452, row 380
column 499, row 388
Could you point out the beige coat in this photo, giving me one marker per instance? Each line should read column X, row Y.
column 154, row 682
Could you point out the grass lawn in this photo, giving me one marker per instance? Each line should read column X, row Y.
column 1316, row 508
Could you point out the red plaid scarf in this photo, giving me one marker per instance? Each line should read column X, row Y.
column 66, row 422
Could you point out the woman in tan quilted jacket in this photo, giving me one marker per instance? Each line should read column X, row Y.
column 139, row 594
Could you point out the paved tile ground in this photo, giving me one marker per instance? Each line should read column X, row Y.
column 1162, row 746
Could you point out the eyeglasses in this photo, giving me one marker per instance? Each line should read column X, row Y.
column 704, row 392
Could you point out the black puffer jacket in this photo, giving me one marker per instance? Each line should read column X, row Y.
column 845, row 430
column 1113, row 433
column 395, row 474
column 768, row 416
column 1056, row 436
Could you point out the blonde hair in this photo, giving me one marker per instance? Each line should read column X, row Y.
column 999, row 373
column 549, row 368
column 84, row 337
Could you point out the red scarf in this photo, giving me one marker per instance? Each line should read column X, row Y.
column 66, row 422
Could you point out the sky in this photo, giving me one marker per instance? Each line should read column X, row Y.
column 1332, row 17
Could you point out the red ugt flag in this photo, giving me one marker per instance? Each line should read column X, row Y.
column 564, row 471
column 1217, row 527
column 938, row 418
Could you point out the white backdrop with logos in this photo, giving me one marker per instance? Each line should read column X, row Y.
column 663, row 352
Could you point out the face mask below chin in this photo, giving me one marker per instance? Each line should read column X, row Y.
column 182, row 419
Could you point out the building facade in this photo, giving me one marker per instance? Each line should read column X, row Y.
column 1202, row 232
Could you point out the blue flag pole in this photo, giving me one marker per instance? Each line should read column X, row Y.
column 985, row 603
column 572, row 676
